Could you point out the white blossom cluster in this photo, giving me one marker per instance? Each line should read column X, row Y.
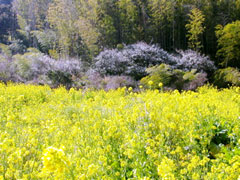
column 37, row 67
column 189, row 59
column 132, row 60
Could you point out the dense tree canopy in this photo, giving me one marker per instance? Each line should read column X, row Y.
column 8, row 23
column 229, row 43
column 83, row 28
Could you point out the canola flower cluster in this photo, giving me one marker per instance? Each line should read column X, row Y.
column 58, row 134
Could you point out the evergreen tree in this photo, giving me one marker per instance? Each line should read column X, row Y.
column 195, row 29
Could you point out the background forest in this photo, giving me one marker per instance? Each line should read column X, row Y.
column 177, row 44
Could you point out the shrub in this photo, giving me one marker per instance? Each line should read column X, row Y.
column 41, row 69
column 94, row 80
column 225, row 77
column 53, row 54
column 5, row 50
column 46, row 39
column 64, row 72
column 17, row 47
column 33, row 50
column 111, row 62
column 115, row 82
column 158, row 74
column 198, row 80
column 132, row 60
column 189, row 59
column 35, row 67
column 30, row 66
column 173, row 78
column 5, row 71
column 142, row 56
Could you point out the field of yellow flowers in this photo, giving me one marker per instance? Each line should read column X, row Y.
column 58, row 134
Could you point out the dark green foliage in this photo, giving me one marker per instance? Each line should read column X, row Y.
column 17, row 47
column 60, row 78
column 47, row 40
column 8, row 22
column 219, row 139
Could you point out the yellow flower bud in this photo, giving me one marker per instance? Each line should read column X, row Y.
column 160, row 84
column 150, row 83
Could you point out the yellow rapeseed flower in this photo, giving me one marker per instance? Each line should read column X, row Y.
column 150, row 83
